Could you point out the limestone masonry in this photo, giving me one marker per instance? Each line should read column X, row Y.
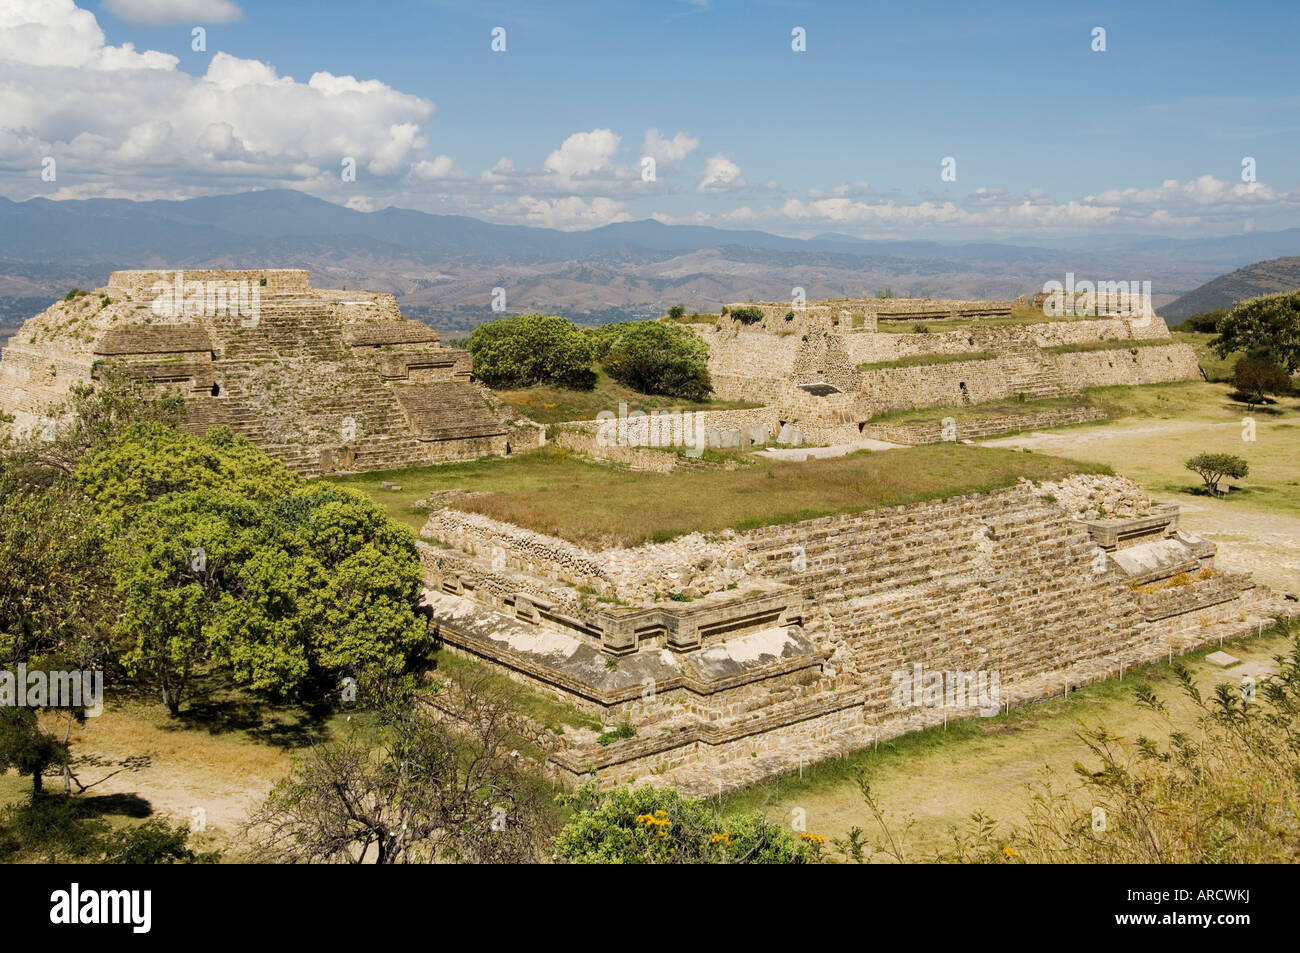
column 326, row 380
column 739, row 655
column 830, row 366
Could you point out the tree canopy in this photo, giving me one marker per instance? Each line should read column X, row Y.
column 654, row 357
column 522, row 350
column 1267, row 326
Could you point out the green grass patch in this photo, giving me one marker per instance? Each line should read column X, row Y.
column 925, row 360
column 1120, row 344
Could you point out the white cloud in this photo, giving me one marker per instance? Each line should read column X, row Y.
column 174, row 12
column 155, row 130
column 569, row 212
column 665, row 151
column 440, row 167
column 584, row 153
column 720, row 175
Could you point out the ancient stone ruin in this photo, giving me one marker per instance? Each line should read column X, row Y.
column 828, row 366
column 736, row 656
column 326, row 380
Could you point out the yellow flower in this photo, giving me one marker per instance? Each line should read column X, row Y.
column 814, row 838
column 1010, row 852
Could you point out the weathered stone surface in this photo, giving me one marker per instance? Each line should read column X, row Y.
column 325, row 380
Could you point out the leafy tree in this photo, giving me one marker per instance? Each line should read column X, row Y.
column 1257, row 377
column 655, row 825
column 149, row 460
column 1269, row 324
column 176, row 571
column 437, row 779
column 1207, row 322
column 747, row 315
column 523, row 350
column 677, row 312
column 655, row 357
column 1213, row 467
column 26, row 748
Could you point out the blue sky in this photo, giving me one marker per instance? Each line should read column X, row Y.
column 1049, row 136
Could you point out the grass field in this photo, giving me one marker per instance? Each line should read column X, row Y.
column 923, row 360
column 548, row 404
column 941, row 776
column 1154, row 429
column 975, row 411
column 552, row 492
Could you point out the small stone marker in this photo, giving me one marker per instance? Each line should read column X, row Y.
column 1221, row 659
column 390, row 486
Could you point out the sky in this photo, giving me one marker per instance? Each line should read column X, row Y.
column 941, row 120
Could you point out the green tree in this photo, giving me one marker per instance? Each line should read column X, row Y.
column 1268, row 325
column 26, row 747
column 1256, row 377
column 1213, row 467
column 179, row 567
column 656, row 825
column 523, row 350
column 677, row 312
column 149, row 460
column 655, row 357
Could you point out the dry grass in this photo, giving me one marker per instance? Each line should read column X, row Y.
column 942, row 776
column 600, row 507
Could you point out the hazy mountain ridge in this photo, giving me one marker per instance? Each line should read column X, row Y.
column 1261, row 278
column 443, row 267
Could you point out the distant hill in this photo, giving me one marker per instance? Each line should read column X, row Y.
column 443, row 268
column 1261, row 278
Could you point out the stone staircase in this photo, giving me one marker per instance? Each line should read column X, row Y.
column 288, row 325
column 1029, row 374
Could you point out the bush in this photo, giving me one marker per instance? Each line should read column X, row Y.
column 677, row 312
column 748, row 315
column 1207, row 322
column 650, row 825
column 523, row 350
column 1213, row 467
column 654, row 358
column 1257, row 377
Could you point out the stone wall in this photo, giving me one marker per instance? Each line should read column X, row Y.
column 985, row 425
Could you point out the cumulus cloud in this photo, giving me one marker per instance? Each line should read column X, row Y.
column 439, row 167
column 666, row 151
column 174, row 12
column 720, row 175
column 584, row 153
column 153, row 129
column 569, row 212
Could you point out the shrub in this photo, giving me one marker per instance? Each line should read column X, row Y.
column 677, row 312
column 748, row 315
column 655, row 358
column 1207, row 322
column 1213, row 467
column 523, row 350
column 1257, row 377
column 652, row 825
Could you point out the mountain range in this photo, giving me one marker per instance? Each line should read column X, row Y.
column 443, row 268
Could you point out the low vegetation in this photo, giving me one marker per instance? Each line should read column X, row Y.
column 924, row 360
